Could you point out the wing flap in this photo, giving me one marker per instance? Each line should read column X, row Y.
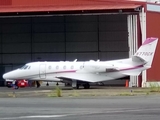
column 87, row 77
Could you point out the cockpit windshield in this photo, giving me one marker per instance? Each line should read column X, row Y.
column 25, row 67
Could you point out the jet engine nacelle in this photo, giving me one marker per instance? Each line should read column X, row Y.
column 97, row 66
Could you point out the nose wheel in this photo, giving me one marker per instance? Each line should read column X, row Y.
column 47, row 84
column 38, row 84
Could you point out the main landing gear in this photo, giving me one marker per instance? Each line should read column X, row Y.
column 86, row 86
column 76, row 84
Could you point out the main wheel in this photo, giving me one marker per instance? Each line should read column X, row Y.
column 38, row 84
column 86, row 86
column 76, row 87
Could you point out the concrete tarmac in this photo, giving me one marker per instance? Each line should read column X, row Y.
column 81, row 108
column 51, row 91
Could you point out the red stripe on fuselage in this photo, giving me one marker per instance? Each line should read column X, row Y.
column 131, row 68
column 68, row 71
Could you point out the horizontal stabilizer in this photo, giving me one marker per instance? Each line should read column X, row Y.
column 132, row 73
column 138, row 59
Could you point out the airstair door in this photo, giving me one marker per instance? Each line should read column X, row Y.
column 42, row 71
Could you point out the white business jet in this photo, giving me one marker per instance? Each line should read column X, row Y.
column 83, row 73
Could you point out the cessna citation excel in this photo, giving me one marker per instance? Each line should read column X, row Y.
column 85, row 72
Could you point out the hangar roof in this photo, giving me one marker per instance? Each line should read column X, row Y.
column 17, row 6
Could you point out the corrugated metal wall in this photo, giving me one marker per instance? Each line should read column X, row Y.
column 62, row 38
column 61, row 2
column 113, row 36
column 153, row 30
column 5, row 2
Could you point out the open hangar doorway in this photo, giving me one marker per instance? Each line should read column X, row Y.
column 65, row 38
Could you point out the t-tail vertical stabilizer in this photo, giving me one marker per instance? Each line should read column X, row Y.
column 145, row 53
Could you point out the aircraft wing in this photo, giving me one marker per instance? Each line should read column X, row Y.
column 86, row 77
column 133, row 72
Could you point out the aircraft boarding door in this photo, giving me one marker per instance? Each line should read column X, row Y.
column 42, row 71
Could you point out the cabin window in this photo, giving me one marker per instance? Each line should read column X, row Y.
column 64, row 67
column 72, row 67
column 29, row 67
column 23, row 67
column 49, row 67
column 57, row 67
column 81, row 67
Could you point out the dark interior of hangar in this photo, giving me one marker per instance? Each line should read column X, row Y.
column 59, row 38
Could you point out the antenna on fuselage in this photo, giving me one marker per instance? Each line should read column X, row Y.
column 75, row 60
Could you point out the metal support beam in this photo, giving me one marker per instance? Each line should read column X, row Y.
column 142, row 15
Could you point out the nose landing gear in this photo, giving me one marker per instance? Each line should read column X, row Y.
column 38, row 84
column 47, row 84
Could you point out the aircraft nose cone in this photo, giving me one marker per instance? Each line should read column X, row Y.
column 5, row 76
column 8, row 75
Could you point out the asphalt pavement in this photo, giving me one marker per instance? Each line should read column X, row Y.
column 81, row 108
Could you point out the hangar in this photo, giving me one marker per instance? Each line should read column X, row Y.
column 57, row 30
